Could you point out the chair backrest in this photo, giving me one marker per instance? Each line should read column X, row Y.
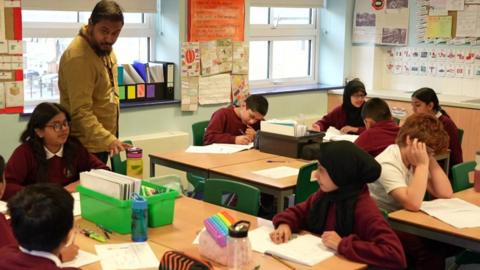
column 117, row 164
column 198, row 129
column 397, row 120
column 460, row 136
column 460, row 175
column 247, row 198
column 305, row 187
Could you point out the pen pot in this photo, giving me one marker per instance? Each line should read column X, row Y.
column 239, row 250
column 139, row 218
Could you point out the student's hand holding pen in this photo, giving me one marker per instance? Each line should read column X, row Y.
column 250, row 132
column 282, row 234
column 242, row 139
column 70, row 250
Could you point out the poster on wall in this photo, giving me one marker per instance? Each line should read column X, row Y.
column 216, row 19
column 385, row 23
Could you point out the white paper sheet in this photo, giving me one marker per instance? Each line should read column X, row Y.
column 77, row 211
column 333, row 134
column 456, row 212
column 83, row 258
column 127, row 256
column 278, row 172
column 305, row 249
column 219, row 148
column 214, row 89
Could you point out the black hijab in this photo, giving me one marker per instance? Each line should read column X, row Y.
column 354, row 116
column 350, row 168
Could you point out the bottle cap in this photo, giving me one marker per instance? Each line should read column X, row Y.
column 138, row 202
column 134, row 152
column 239, row 229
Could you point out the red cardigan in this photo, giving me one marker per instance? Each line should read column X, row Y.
column 22, row 167
column 376, row 138
column 224, row 126
column 372, row 242
column 336, row 118
column 456, row 155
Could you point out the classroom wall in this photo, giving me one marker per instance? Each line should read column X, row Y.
column 368, row 63
column 334, row 62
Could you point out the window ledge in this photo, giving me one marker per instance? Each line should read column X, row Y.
column 275, row 90
column 148, row 103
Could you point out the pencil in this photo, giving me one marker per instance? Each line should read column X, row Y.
column 281, row 260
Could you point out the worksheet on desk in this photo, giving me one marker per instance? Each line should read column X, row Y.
column 454, row 211
column 127, row 256
column 278, row 172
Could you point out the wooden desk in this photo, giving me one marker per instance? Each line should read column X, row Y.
column 421, row 224
column 88, row 244
column 188, row 221
column 279, row 188
column 199, row 163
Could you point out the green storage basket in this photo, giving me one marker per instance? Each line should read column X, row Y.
column 116, row 214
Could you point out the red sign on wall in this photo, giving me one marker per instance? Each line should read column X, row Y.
column 216, row 19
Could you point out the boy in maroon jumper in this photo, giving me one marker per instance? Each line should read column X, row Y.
column 342, row 211
column 42, row 220
column 381, row 129
column 236, row 125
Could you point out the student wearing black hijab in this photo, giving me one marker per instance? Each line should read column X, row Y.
column 346, row 117
column 342, row 211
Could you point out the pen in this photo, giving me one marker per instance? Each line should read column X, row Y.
column 276, row 161
column 241, row 131
column 280, row 261
column 93, row 235
column 105, row 231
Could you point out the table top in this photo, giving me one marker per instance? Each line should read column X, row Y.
column 423, row 220
column 208, row 161
column 188, row 221
column 246, row 170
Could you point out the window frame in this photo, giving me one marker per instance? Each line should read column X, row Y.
column 281, row 32
column 70, row 30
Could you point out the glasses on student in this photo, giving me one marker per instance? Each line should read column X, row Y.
column 57, row 127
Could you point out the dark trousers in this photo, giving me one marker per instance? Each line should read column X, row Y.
column 103, row 156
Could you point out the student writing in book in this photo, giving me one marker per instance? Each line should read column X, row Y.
column 342, row 211
column 42, row 221
column 409, row 170
column 425, row 100
column 346, row 117
column 87, row 80
column 236, row 125
column 48, row 152
column 381, row 131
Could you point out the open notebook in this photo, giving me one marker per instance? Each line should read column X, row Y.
column 333, row 134
column 219, row 148
column 304, row 249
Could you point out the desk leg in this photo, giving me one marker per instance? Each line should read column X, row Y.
column 280, row 197
column 152, row 168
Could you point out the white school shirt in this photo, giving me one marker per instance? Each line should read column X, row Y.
column 43, row 254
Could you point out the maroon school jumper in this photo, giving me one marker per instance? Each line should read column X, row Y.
column 456, row 155
column 14, row 259
column 376, row 138
column 224, row 126
column 336, row 118
column 6, row 234
column 372, row 241
column 21, row 168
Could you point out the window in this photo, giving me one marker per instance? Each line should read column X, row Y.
column 283, row 45
column 48, row 33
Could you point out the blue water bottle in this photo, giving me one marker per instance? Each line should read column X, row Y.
column 139, row 218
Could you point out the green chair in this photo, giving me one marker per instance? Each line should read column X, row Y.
column 460, row 175
column 247, row 197
column 198, row 182
column 397, row 120
column 198, row 130
column 117, row 164
column 460, row 182
column 305, row 187
column 460, row 136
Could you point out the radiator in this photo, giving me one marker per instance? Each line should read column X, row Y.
column 161, row 142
